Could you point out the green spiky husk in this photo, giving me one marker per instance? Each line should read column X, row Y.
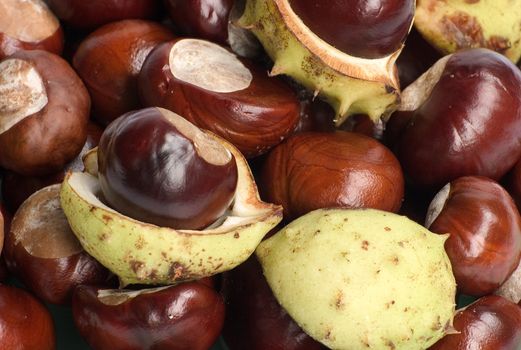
column 347, row 95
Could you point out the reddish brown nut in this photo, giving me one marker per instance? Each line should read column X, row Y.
column 466, row 119
column 220, row 92
column 254, row 318
column 44, row 109
column 24, row 322
column 186, row 316
column 322, row 170
column 360, row 28
column 109, row 61
column 28, row 25
column 156, row 167
column 95, row 13
column 17, row 188
column 491, row 323
column 43, row 252
column 206, row 19
column 484, row 245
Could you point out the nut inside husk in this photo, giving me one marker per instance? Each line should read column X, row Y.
column 143, row 253
column 352, row 85
column 357, row 279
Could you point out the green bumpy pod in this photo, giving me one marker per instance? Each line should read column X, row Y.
column 362, row 279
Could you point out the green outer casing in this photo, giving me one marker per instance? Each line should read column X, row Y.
column 347, row 95
column 501, row 18
column 360, row 279
column 142, row 253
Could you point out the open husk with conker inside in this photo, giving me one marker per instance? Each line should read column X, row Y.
column 324, row 47
column 144, row 253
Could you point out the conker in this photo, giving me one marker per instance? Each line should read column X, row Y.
column 109, row 61
column 206, row 19
column 24, row 322
column 17, row 188
column 322, row 170
column 188, row 316
column 28, row 25
column 464, row 119
column 95, row 13
column 44, row 109
column 44, row 253
column 217, row 91
column 360, row 28
column 491, row 323
column 157, row 167
column 484, row 245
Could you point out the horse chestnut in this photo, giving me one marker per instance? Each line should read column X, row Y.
column 157, row 167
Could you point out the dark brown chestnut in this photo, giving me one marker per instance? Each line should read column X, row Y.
column 42, row 251
column 323, row 170
column 254, row 318
column 28, row 25
column 217, row 91
column 491, row 323
column 206, row 19
column 484, row 245
column 92, row 14
column 44, row 109
column 157, row 167
column 360, row 28
column 188, row 316
column 17, row 188
column 109, row 61
column 24, row 322
column 464, row 119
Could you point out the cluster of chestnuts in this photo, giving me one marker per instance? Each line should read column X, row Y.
column 149, row 149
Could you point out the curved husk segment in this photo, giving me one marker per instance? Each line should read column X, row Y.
column 143, row 253
column 451, row 25
column 362, row 279
column 351, row 85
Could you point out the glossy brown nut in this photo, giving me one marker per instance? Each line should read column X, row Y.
column 156, row 167
column 360, row 28
column 469, row 124
column 44, row 109
column 484, row 245
column 28, row 25
column 17, row 188
column 217, row 91
column 254, row 318
column 186, row 316
column 95, row 13
column 491, row 323
column 43, row 252
column 24, row 322
column 206, row 19
column 109, row 61
column 324, row 170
